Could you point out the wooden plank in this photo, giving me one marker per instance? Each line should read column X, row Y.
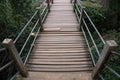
column 41, row 35
column 51, row 29
column 55, row 47
column 60, row 70
column 58, row 66
column 59, row 39
column 58, row 42
column 59, row 54
column 85, row 75
column 62, row 49
column 60, row 60
column 59, row 57
column 59, row 63
column 61, row 44
column 62, row 37
column 64, row 32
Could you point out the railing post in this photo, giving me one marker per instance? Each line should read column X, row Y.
column 81, row 15
column 106, row 52
column 12, row 51
column 48, row 2
column 75, row 1
column 40, row 18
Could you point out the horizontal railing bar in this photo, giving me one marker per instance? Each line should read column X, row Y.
column 116, row 53
column 6, row 65
column 101, row 38
column 91, row 37
column 28, row 38
column 93, row 60
column 78, row 9
column 78, row 1
column 94, row 27
column 113, row 71
column 101, row 77
column 32, row 46
column 25, row 26
column 77, row 16
column 44, row 10
column 45, row 16
column 14, row 75
column 29, row 35
column 2, row 49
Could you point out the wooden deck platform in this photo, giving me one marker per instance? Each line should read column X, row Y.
column 60, row 52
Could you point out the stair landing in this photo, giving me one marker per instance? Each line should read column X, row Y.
column 60, row 52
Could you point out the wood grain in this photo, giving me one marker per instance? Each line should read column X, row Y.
column 60, row 48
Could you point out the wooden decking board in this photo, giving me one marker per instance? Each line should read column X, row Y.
column 59, row 60
column 59, row 63
column 58, row 66
column 60, row 57
column 59, row 76
column 60, row 51
column 60, row 70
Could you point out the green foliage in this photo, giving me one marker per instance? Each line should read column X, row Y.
column 98, row 16
column 13, row 16
column 108, row 22
column 113, row 15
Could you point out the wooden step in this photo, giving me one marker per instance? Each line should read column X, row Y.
column 58, row 66
column 59, row 63
column 85, row 75
column 63, row 49
column 41, row 35
column 59, row 57
column 59, row 54
column 60, row 70
column 62, row 32
column 61, row 46
column 60, row 60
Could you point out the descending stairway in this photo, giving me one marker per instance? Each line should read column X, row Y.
column 60, row 52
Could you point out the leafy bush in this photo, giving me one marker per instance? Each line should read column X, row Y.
column 13, row 16
column 98, row 16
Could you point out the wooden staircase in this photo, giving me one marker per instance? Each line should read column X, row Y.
column 60, row 52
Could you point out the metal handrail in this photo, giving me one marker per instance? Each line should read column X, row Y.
column 94, row 27
column 44, row 13
column 93, row 60
column 25, row 26
column 31, row 46
column 28, row 37
column 5, row 66
column 93, row 41
column 2, row 49
column 116, row 53
column 113, row 71
column 78, row 12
